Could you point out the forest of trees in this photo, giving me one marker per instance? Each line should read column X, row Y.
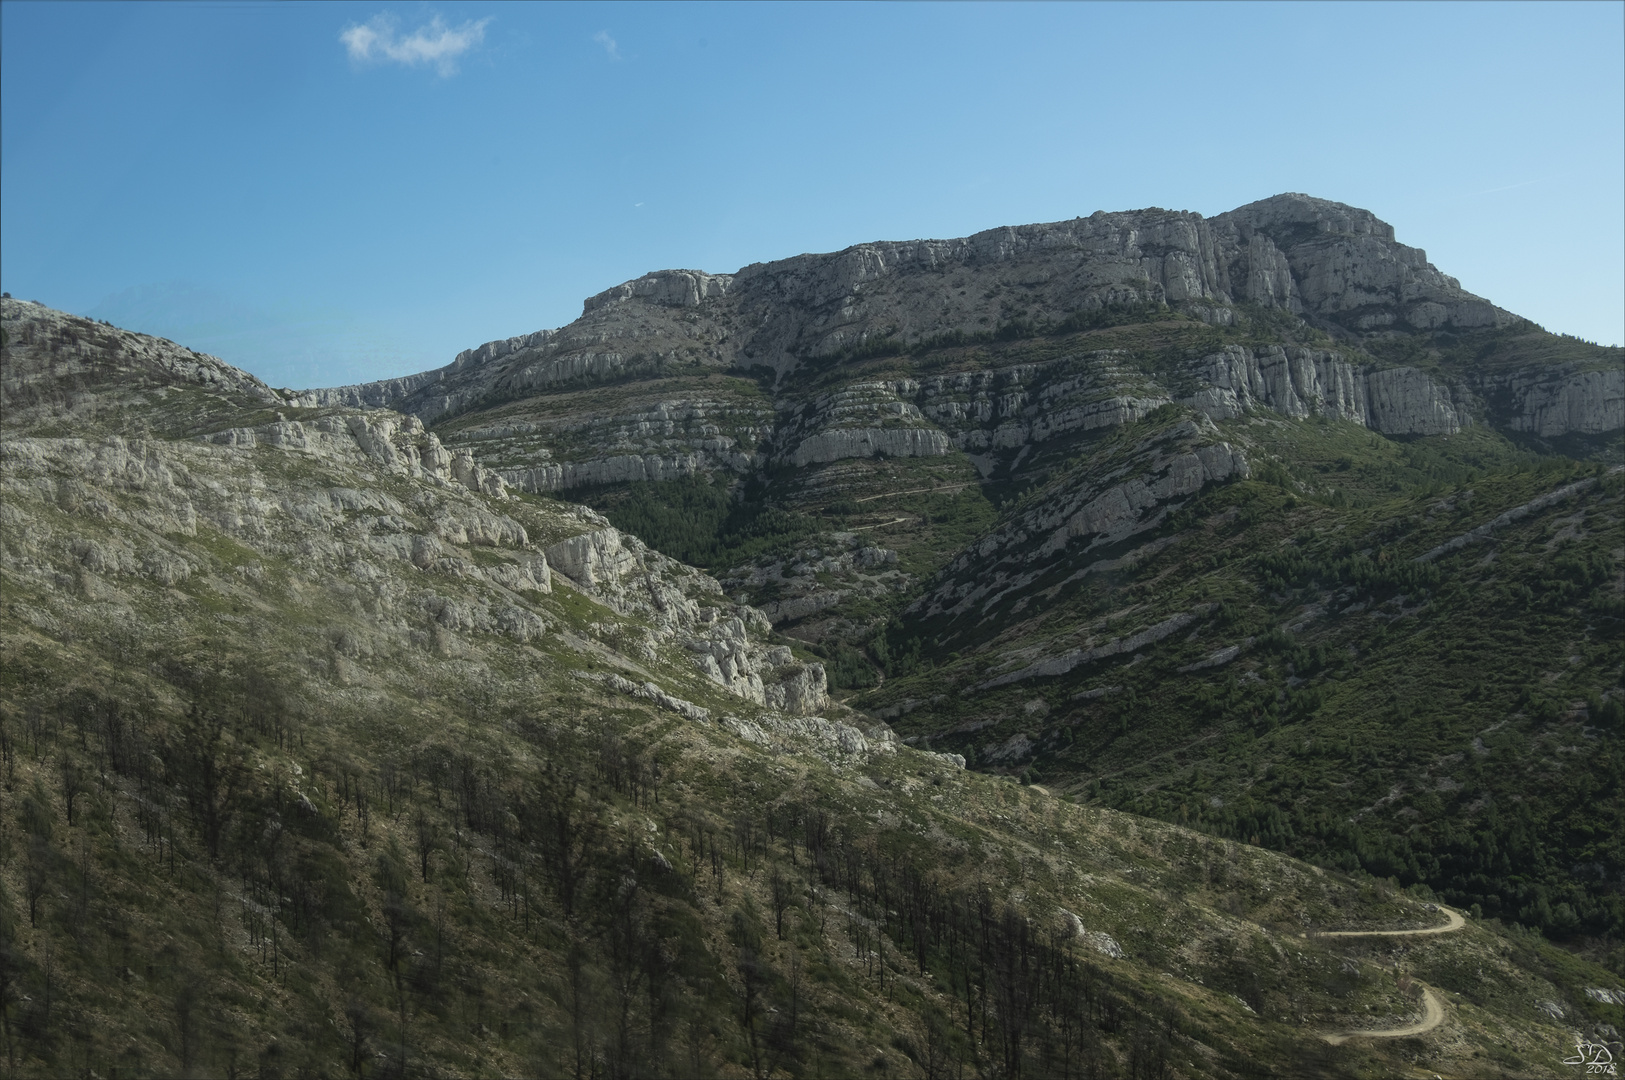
column 331, row 882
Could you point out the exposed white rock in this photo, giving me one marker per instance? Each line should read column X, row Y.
column 1217, row 659
column 871, row 442
column 1017, row 747
column 676, row 288
column 398, row 444
column 75, row 344
column 1098, row 940
column 533, row 575
column 1561, row 402
column 617, row 469
column 624, row 573
column 654, row 693
column 797, row 689
column 800, row 607
column 1404, row 401
column 1347, row 269
column 832, row 738
column 593, row 557
column 1105, row 944
column 1060, row 665
column 1337, row 266
column 1313, row 382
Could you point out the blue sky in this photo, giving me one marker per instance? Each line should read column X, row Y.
column 327, row 193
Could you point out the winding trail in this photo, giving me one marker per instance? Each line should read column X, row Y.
column 879, row 525
column 1456, row 923
column 1432, row 1007
column 914, row 491
column 1432, row 1017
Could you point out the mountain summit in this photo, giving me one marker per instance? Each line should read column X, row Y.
column 1336, row 266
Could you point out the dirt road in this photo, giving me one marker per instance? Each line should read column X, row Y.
column 1456, row 923
column 1432, row 1017
column 1432, row 1007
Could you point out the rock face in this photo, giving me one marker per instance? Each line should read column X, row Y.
column 128, row 499
column 1060, row 665
column 687, row 608
column 593, row 557
column 84, row 351
column 1315, row 382
column 1345, row 269
column 1337, row 268
column 672, row 288
column 1551, row 404
column 399, row 444
column 870, row 442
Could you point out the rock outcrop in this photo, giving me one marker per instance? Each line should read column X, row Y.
column 1564, row 401
column 1337, row 266
column 1117, row 646
column 686, row 609
column 1092, row 508
column 1346, row 271
column 841, row 443
column 400, row 444
column 369, row 506
column 672, row 288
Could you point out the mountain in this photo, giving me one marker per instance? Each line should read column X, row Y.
column 335, row 741
column 1151, row 506
column 1328, row 273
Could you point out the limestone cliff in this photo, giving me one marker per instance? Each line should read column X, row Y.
column 666, row 340
column 1315, row 382
column 1552, row 403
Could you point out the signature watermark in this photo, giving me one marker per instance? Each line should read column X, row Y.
column 1595, row 1058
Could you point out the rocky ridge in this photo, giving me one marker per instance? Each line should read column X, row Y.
column 1337, row 268
column 368, row 504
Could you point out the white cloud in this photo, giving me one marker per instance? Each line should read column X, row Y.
column 610, row 47
column 379, row 39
